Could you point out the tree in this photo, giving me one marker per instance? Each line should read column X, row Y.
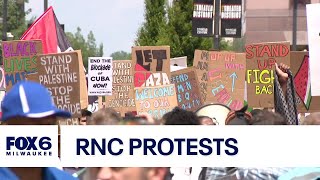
column 87, row 46
column 176, row 31
column 154, row 20
column 121, row 55
column 16, row 21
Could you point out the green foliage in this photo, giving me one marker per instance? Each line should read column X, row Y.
column 175, row 31
column 16, row 22
column 87, row 46
column 154, row 18
column 121, row 55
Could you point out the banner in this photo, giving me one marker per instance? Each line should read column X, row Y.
column 226, row 79
column 152, row 65
column 313, row 26
column 187, row 88
column 190, row 146
column 100, row 76
column 203, row 18
column 63, row 76
column 156, row 101
column 261, row 59
column 231, row 18
column 122, row 99
column 19, row 60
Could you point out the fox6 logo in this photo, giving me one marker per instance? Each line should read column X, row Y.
column 29, row 146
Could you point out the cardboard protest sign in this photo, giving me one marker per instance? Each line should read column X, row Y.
column 63, row 75
column 299, row 65
column 19, row 59
column 152, row 65
column 69, row 121
column 122, row 99
column 226, row 79
column 313, row 26
column 187, row 88
column 201, row 60
column 261, row 59
column 100, row 76
column 156, row 101
column 2, row 79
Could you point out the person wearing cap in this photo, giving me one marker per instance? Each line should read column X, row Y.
column 30, row 103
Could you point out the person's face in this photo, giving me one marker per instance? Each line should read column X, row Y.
column 207, row 121
column 132, row 173
column 32, row 121
column 106, row 173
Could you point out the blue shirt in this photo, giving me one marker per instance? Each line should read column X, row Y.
column 50, row 173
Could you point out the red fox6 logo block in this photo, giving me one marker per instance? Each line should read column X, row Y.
column 28, row 146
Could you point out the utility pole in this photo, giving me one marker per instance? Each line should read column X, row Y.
column 294, row 25
column 4, row 20
column 45, row 5
column 216, row 39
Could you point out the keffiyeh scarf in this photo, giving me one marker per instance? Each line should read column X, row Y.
column 286, row 106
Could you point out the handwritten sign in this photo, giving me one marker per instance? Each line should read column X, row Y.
column 299, row 65
column 19, row 59
column 261, row 59
column 156, row 101
column 60, row 73
column 100, row 76
column 122, row 99
column 187, row 88
column 226, row 79
column 201, row 60
column 152, row 65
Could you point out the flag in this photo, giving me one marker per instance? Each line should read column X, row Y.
column 48, row 29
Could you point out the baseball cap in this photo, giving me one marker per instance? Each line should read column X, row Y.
column 29, row 99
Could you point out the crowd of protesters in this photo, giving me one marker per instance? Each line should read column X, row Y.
column 22, row 106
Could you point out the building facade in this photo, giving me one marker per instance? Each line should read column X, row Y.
column 272, row 21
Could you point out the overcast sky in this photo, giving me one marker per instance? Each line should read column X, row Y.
column 113, row 22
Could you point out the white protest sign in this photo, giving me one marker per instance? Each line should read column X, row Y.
column 179, row 61
column 100, row 76
column 313, row 25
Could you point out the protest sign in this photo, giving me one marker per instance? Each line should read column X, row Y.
column 69, row 121
column 187, row 88
column 226, row 79
column 122, row 99
column 152, row 65
column 261, row 59
column 100, row 76
column 231, row 18
column 201, row 60
column 179, row 61
column 2, row 79
column 313, row 26
column 19, row 59
column 64, row 77
column 203, row 18
column 299, row 65
column 155, row 101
